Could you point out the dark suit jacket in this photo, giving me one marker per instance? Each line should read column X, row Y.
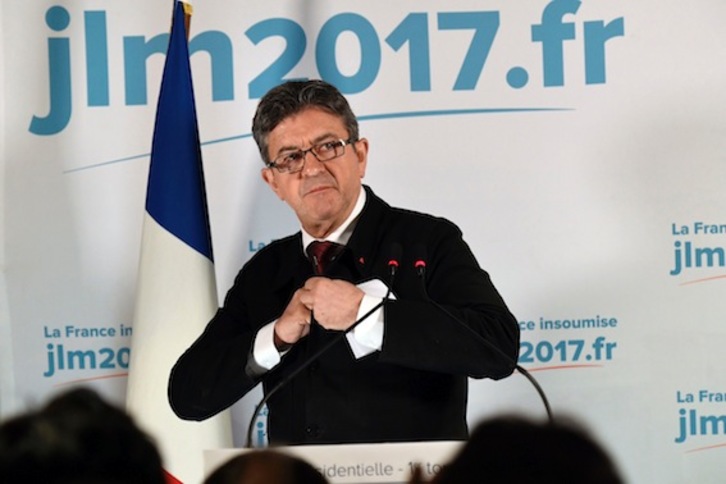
column 415, row 388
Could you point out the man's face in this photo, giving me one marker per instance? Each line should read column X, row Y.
column 321, row 194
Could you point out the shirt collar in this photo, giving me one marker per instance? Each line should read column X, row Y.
column 342, row 234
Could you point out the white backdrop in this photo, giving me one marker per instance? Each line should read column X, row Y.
column 581, row 151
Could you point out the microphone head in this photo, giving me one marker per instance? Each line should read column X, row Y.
column 394, row 259
column 419, row 258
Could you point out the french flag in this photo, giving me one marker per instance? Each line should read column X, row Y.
column 176, row 289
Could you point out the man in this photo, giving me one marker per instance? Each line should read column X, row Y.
column 401, row 375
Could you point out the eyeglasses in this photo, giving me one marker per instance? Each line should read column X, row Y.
column 294, row 161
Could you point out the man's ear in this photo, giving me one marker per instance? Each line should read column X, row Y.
column 269, row 178
column 362, row 153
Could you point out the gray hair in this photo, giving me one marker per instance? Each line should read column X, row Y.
column 293, row 97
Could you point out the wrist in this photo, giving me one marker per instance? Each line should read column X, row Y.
column 280, row 344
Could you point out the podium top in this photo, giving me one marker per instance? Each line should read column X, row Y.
column 360, row 463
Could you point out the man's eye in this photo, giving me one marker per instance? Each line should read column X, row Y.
column 291, row 158
column 328, row 146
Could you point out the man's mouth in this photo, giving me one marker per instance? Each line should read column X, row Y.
column 317, row 189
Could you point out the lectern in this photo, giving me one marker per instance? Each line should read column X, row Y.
column 360, row 463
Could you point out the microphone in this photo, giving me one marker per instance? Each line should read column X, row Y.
column 393, row 265
column 394, row 262
column 419, row 264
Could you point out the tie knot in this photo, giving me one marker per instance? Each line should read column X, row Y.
column 321, row 253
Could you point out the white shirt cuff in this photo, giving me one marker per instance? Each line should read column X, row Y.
column 264, row 351
column 367, row 337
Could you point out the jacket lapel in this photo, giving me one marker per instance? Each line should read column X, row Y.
column 365, row 242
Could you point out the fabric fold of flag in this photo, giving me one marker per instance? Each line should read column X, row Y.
column 176, row 291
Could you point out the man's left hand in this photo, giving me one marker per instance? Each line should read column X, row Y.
column 334, row 302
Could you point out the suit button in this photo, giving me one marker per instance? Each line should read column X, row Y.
column 312, row 431
column 314, row 366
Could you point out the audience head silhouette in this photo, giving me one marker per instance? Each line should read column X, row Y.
column 515, row 450
column 77, row 438
column 265, row 467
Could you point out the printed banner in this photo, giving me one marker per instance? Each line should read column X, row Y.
column 578, row 144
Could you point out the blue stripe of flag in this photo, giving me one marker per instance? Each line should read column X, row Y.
column 176, row 196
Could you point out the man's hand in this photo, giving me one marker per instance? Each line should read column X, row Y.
column 294, row 322
column 334, row 302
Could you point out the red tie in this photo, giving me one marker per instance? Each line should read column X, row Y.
column 322, row 253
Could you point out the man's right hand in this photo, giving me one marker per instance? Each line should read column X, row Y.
column 293, row 324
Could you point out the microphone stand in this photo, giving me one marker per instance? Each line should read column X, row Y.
column 420, row 266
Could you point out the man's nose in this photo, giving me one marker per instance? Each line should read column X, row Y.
column 312, row 165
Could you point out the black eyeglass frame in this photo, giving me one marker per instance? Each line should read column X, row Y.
column 338, row 144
